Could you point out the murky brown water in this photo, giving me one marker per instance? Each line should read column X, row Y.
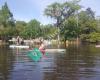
column 78, row 63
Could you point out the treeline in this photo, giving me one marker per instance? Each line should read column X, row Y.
column 9, row 27
column 71, row 21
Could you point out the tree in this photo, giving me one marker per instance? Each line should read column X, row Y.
column 87, row 21
column 88, row 26
column 6, row 22
column 70, row 29
column 48, row 31
column 61, row 12
column 90, row 13
column 32, row 29
column 20, row 27
column 6, row 17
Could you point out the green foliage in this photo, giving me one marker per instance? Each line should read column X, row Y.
column 53, row 10
column 32, row 30
column 20, row 27
column 90, row 13
column 6, row 17
column 85, row 26
column 87, row 22
column 88, row 26
column 98, row 24
column 84, row 37
column 70, row 29
column 63, row 11
column 92, row 37
column 49, row 31
column 7, row 22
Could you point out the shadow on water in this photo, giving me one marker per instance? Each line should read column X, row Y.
column 77, row 63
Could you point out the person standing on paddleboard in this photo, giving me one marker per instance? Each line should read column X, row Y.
column 18, row 40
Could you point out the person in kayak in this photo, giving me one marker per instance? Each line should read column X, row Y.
column 42, row 47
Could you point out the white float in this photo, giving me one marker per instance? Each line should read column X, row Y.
column 19, row 46
column 97, row 46
column 54, row 50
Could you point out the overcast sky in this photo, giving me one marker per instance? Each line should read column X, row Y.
column 26, row 10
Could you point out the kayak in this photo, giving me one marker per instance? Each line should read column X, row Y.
column 19, row 46
column 35, row 54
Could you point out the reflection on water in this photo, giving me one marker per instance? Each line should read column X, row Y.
column 78, row 63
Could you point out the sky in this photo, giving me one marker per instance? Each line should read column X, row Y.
column 26, row 10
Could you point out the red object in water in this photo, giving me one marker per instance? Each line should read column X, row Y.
column 42, row 51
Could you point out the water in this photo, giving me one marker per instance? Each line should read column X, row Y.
column 77, row 63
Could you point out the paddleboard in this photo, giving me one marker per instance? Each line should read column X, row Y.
column 54, row 50
column 19, row 46
column 97, row 46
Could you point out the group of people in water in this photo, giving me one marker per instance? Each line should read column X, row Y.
column 20, row 41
